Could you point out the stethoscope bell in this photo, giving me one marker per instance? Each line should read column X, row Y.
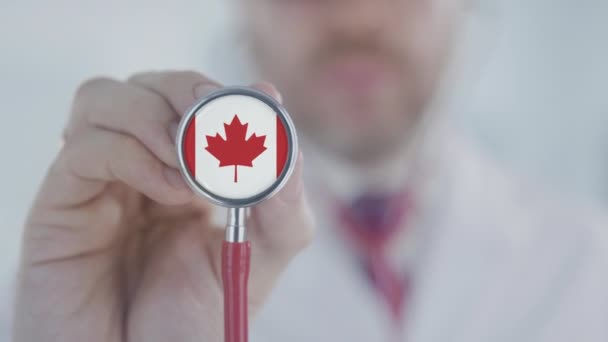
column 237, row 147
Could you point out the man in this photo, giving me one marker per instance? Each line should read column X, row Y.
column 419, row 237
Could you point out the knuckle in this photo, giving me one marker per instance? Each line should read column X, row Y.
column 143, row 111
column 157, row 105
column 62, row 161
column 92, row 85
column 152, row 110
column 138, row 159
column 141, row 75
column 147, row 134
column 186, row 75
column 86, row 98
column 173, row 79
column 168, row 80
column 134, row 164
column 68, row 160
column 69, row 152
column 129, row 145
column 151, row 133
column 197, row 76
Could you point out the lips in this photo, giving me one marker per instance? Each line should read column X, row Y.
column 358, row 75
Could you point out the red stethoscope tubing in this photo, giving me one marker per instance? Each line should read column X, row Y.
column 236, row 259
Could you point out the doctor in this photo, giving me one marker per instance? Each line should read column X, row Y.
column 419, row 236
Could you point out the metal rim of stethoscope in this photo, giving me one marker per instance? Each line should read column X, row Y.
column 292, row 147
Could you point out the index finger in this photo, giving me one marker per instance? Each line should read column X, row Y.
column 180, row 89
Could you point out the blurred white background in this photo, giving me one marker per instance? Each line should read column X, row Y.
column 537, row 97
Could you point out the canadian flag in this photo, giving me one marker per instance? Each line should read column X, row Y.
column 235, row 146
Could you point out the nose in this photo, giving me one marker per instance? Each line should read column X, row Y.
column 358, row 17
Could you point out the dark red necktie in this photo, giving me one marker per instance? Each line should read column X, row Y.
column 370, row 222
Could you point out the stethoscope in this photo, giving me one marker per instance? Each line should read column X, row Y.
column 237, row 174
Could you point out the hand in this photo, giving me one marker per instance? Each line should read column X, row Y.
column 117, row 247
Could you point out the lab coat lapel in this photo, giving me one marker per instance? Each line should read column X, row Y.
column 459, row 252
column 501, row 262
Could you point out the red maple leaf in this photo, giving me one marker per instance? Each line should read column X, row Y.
column 235, row 150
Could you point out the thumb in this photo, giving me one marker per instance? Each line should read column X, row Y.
column 278, row 229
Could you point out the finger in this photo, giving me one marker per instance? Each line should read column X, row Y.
column 89, row 163
column 180, row 89
column 269, row 89
column 279, row 228
column 124, row 108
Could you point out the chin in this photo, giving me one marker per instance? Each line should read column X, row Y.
column 368, row 150
column 361, row 142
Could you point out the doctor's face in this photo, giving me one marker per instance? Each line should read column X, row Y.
column 355, row 74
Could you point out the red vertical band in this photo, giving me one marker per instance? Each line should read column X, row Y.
column 281, row 146
column 235, row 273
column 189, row 146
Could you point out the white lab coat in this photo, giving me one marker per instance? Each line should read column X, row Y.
column 496, row 260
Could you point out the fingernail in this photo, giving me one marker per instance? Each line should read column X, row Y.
column 204, row 89
column 279, row 96
column 175, row 178
column 277, row 92
column 269, row 89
